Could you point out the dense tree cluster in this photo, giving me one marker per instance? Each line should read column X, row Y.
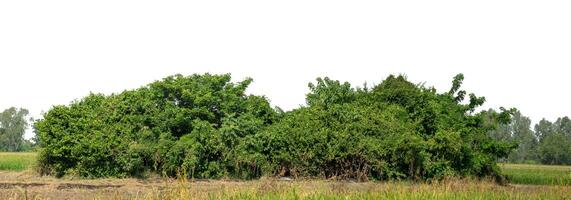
column 548, row 143
column 205, row 126
column 13, row 125
column 394, row 130
column 191, row 125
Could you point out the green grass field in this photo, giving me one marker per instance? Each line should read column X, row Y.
column 16, row 161
column 537, row 174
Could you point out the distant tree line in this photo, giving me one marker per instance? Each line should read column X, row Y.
column 548, row 142
column 13, row 125
column 205, row 126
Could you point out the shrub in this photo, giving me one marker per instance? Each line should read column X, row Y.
column 204, row 126
column 395, row 130
column 181, row 124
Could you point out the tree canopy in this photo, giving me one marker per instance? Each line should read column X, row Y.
column 548, row 143
column 205, row 126
column 394, row 130
column 13, row 125
column 189, row 124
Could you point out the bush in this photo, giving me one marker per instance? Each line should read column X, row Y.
column 204, row 126
column 181, row 124
column 395, row 130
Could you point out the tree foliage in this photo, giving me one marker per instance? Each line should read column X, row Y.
column 205, row 126
column 13, row 125
column 548, row 143
column 182, row 124
column 395, row 130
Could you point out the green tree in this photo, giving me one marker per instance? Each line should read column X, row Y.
column 556, row 149
column 327, row 92
column 395, row 130
column 13, row 125
column 563, row 125
column 500, row 132
column 205, row 126
column 554, row 141
column 189, row 125
column 520, row 128
column 543, row 129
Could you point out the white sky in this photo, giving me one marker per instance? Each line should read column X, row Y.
column 515, row 53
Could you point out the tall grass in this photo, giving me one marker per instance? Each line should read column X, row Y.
column 531, row 182
column 456, row 189
column 272, row 189
column 16, row 161
column 537, row 174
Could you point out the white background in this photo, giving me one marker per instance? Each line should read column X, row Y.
column 515, row 53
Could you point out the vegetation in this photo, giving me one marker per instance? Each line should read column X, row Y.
column 452, row 189
column 13, row 125
column 537, row 174
column 527, row 174
column 549, row 143
column 192, row 125
column 395, row 130
column 205, row 126
column 273, row 189
column 17, row 161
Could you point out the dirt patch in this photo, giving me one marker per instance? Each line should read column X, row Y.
column 69, row 186
column 20, row 185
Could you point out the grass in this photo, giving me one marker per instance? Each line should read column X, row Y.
column 517, row 173
column 275, row 189
column 528, row 182
column 16, row 161
column 537, row 174
column 454, row 189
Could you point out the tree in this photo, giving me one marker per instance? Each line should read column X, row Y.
column 327, row 92
column 205, row 126
column 563, row 126
column 180, row 125
column 556, row 149
column 499, row 132
column 554, row 141
column 543, row 129
column 13, row 125
column 395, row 130
column 520, row 128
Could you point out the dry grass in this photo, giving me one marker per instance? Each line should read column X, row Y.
column 17, row 184
column 25, row 185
